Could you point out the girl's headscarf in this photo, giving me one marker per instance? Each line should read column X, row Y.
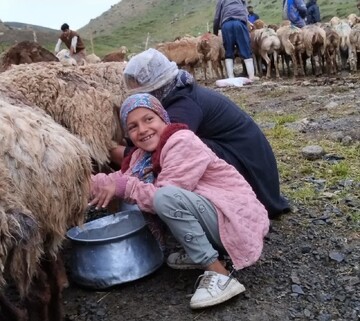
column 142, row 101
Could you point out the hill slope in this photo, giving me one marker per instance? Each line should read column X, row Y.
column 138, row 24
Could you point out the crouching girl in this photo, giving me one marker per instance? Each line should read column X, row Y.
column 206, row 204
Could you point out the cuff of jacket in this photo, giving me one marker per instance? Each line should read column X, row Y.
column 120, row 186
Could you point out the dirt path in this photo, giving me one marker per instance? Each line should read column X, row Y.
column 310, row 265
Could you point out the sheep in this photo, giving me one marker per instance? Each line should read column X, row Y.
column 343, row 29
column 355, row 46
column 353, row 19
column 64, row 57
column 265, row 42
column 315, row 46
column 332, row 50
column 25, row 52
column 118, row 55
column 183, row 52
column 108, row 76
column 210, row 48
column 72, row 100
column 92, row 59
column 44, row 187
column 292, row 44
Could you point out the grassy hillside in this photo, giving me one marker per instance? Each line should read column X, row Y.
column 164, row 20
column 140, row 24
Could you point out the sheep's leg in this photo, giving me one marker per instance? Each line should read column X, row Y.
column 9, row 311
column 302, row 73
column 204, row 64
column 221, row 69
column 265, row 56
column 256, row 64
column 293, row 57
column 276, row 59
column 37, row 301
column 56, row 274
column 215, row 67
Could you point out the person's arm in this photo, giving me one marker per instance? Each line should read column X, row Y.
column 117, row 154
column 73, row 45
column 216, row 23
column 57, row 47
column 301, row 8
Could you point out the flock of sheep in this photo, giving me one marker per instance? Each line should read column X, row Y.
column 58, row 121
column 330, row 47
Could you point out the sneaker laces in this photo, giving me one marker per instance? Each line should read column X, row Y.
column 205, row 281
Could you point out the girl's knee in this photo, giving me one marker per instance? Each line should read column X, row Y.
column 163, row 199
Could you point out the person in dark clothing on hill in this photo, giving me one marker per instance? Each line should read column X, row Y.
column 313, row 12
column 295, row 11
column 252, row 17
column 219, row 122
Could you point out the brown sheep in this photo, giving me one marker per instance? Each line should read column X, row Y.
column 44, row 187
column 315, row 46
column 292, row 44
column 183, row 52
column 25, row 52
column 210, row 48
column 118, row 55
column 332, row 51
column 73, row 101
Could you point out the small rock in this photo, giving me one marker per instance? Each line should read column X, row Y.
column 297, row 289
column 337, row 136
column 312, row 152
column 337, row 256
column 331, row 105
column 347, row 140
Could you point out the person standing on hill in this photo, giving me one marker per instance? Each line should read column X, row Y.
column 252, row 17
column 73, row 42
column 313, row 12
column 295, row 11
column 231, row 16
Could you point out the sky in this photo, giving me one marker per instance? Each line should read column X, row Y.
column 51, row 13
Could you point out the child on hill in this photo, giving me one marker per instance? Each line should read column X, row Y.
column 206, row 204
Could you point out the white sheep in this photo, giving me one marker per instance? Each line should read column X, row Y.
column 65, row 58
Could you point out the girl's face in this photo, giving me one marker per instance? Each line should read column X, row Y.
column 145, row 128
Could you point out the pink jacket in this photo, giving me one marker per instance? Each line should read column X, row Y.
column 188, row 163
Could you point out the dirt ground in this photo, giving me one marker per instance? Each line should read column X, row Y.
column 310, row 265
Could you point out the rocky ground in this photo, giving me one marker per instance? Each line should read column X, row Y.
column 310, row 265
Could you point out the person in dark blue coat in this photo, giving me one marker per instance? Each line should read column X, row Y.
column 226, row 129
column 313, row 12
column 252, row 16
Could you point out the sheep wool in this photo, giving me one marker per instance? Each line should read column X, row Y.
column 69, row 95
column 44, row 186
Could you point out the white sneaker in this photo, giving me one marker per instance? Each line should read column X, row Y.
column 215, row 288
column 181, row 261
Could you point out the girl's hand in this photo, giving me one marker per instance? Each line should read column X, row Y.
column 102, row 195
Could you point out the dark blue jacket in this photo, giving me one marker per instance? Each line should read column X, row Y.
column 233, row 135
column 313, row 12
column 253, row 17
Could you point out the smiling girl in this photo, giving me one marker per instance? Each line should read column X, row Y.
column 206, row 204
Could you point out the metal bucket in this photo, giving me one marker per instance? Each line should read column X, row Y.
column 114, row 249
